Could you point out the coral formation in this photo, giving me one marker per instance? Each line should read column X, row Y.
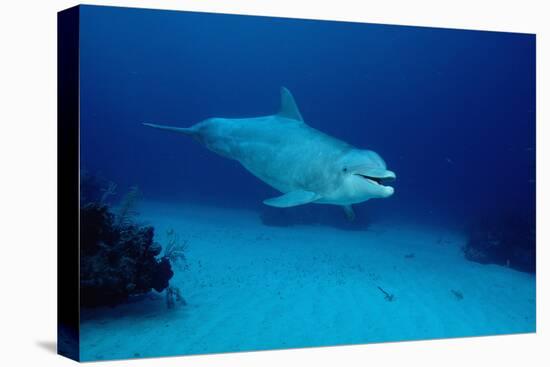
column 173, row 296
column 110, row 190
column 118, row 257
column 506, row 239
column 91, row 187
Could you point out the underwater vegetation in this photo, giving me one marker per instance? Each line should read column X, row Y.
column 174, row 251
column 118, row 259
column 118, row 256
column 507, row 239
column 95, row 188
column 173, row 296
column 127, row 211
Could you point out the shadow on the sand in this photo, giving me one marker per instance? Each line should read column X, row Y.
column 317, row 215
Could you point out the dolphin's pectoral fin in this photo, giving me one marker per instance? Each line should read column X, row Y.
column 349, row 212
column 293, row 198
column 289, row 109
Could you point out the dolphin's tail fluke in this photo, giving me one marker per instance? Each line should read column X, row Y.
column 180, row 130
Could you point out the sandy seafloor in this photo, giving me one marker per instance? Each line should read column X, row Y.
column 249, row 286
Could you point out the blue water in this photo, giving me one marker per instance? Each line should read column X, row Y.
column 452, row 112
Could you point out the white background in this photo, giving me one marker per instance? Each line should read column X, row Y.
column 28, row 181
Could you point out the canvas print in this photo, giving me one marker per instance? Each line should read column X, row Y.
column 250, row 183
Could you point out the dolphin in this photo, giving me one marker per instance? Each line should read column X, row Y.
column 304, row 164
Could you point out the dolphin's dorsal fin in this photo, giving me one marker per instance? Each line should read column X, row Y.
column 289, row 109
column 292, row 198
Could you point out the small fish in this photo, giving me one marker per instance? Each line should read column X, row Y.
column 387, row 296
column 458, row 294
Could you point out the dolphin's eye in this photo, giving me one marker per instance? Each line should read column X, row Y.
column 345, row 169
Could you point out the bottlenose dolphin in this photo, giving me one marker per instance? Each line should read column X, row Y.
column 303, row 163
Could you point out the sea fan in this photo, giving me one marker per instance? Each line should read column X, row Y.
column 175, row 249
column 127, row 207
column 108, row 191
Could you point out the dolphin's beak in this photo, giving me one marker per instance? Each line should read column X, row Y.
column 388, row 191
column 389, row 176
column 378, row 175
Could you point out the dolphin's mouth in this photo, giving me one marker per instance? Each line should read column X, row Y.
column 377, row 180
